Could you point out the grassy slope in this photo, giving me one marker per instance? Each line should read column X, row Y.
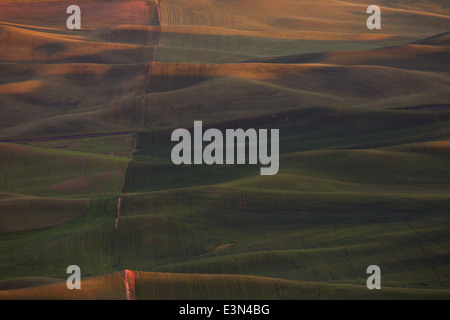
column 118, row 145
column 27, row 213
column 358, row 178
column 52, row 14
column 326, row 16
column 178, row 94
column 304, row 131
column 201, row 287
column 51, row 172
column 89, row 241
column 107, row 64
column 288, row 235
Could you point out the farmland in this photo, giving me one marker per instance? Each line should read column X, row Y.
column 86, row 176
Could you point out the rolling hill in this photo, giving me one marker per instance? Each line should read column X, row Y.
column 86, row 176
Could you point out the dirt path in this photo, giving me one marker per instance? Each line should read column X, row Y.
column 118, row 212
column 129, row 279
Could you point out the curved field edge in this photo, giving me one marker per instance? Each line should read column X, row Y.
column 89, row 241
column 58, row 172
column 28, row 213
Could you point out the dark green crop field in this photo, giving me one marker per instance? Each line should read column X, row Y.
column 87, row 179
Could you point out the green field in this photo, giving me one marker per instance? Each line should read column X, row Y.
column 364, row 177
